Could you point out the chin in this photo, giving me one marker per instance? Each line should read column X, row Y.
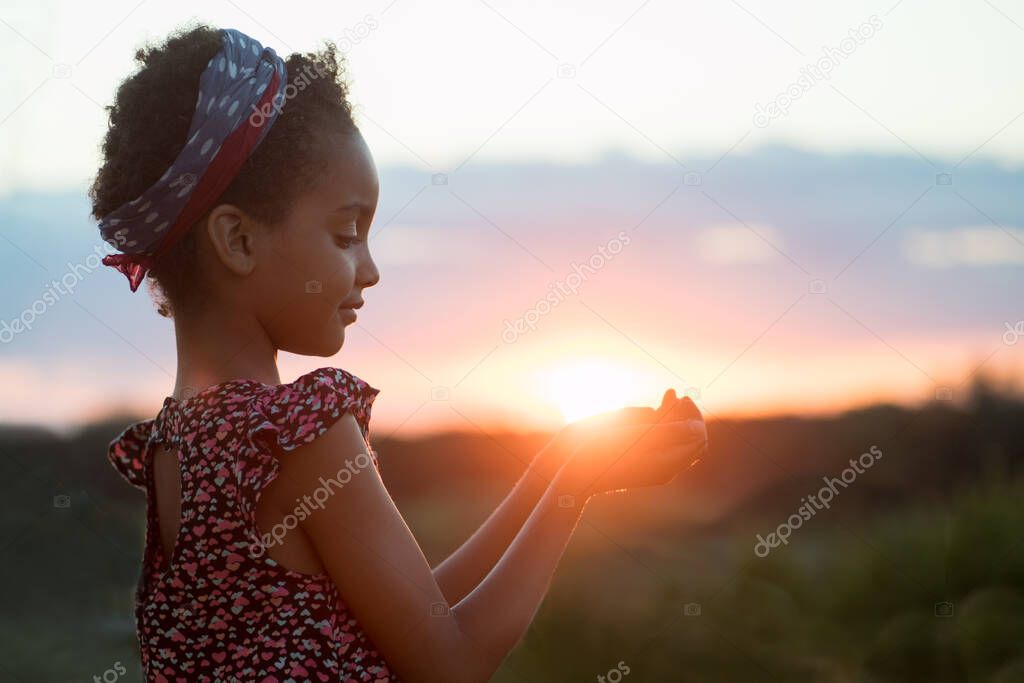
column 332, row 346
column 324, row 346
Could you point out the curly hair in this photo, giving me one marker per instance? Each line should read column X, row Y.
column 149, row 122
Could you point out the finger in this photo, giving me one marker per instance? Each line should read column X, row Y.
column 686, row 409
column 668, row 402
column 676, row 411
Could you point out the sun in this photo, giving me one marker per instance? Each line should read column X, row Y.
column 590, row 386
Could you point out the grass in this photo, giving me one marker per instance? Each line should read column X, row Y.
column 850, row 602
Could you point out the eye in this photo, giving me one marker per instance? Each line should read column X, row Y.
column 346, row 241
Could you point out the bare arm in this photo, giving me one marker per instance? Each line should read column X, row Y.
column 374, row 560
column 460, row 573
column 617, row 457
column 497, row 613
column 464, row 569
column 371, row 555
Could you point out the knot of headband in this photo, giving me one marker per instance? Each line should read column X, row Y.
column 241, row 93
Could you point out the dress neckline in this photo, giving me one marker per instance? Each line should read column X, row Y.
column 216, row 388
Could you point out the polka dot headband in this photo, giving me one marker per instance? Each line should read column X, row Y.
column 241, row 93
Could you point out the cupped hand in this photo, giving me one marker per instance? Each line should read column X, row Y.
column 634, row 447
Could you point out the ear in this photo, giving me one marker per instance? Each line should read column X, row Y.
column 232, row 235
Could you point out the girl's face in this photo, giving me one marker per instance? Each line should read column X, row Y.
column 311, row 271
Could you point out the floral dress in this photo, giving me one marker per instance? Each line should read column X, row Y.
column 220, row 609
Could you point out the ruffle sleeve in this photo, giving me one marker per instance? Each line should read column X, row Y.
column 290, row 415
column 297, row 413
column 127, row 452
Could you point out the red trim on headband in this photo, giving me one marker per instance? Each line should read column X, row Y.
column 235, row 149
column 134, row 266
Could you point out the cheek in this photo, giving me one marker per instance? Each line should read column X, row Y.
column 341, row 274
column 295, row 283
column 300, row 292
column 322, row 286
column 303, row 318
column 311, row 266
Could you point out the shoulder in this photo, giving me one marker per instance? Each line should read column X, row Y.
column 339, row 454
column 337, row 467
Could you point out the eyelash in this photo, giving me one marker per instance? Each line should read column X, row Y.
column 349, row 241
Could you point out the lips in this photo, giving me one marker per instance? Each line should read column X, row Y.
column 348, row 310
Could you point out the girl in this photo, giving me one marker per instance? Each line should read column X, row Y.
column 239, row 184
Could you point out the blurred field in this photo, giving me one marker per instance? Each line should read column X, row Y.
column 856, row 595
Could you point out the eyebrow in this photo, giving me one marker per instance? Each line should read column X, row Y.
column 354, row 205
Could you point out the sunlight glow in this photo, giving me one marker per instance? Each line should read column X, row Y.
column 590, row 386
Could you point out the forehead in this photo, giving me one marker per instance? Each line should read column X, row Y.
column 350, row 176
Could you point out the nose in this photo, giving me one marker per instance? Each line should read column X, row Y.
column 368, row 275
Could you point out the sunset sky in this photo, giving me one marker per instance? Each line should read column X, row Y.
column 866, row 244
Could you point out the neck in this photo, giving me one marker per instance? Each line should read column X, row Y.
column 215, row 348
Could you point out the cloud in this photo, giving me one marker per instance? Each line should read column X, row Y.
column 735, row 244
column 973, row 246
